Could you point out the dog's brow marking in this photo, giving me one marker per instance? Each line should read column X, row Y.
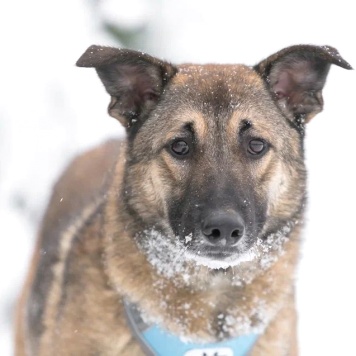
column 196, row 126
column 244, row 126
column 200, row 127
column 237, row 126
column 185, row 129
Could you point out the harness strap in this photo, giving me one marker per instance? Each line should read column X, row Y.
column 157, row 342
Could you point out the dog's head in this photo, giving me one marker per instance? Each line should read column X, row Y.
column 215, row 152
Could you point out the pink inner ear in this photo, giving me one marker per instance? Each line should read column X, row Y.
column 284, row 85
column 138, row 84
column 294, row 79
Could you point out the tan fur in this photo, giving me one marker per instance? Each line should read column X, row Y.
column 110, row 216
column 79, row 320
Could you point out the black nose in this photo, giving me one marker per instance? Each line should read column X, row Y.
column 223, row 227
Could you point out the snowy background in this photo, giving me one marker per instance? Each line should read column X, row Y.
column 50, row 110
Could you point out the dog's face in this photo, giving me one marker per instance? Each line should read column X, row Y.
column 211, row 165
column 215, row 152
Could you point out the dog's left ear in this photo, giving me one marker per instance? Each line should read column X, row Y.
column 296, row 76
column 134, row 80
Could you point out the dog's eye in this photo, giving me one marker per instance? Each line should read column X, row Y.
column 256, row 147
column 179, row 148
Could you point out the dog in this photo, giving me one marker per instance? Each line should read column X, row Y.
column 190, row 228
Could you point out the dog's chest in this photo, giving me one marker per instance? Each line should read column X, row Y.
column 155, row 340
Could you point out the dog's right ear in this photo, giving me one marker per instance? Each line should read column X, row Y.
column 134, row 80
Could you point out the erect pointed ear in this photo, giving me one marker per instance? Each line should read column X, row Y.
column 134, row 80
column 296, row 76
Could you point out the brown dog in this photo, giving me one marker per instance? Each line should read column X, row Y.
column 190, row 226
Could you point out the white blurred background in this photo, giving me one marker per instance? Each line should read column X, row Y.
column 50, row 110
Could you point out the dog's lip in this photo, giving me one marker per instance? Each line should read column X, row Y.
column 220, row 258
column 217, row 253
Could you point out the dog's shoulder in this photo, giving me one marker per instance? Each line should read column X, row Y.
column 85, row 179
column 68, row 232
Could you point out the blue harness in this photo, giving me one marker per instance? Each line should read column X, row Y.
column 158, row 342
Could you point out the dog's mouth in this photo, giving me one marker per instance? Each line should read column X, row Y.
column 222, row 258
column 219, row 256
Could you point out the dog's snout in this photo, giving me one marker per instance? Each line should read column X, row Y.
column 223, row 227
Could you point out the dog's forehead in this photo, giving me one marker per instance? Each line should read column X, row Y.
column 216, row 81
column 211, row 73
column 219, row 94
